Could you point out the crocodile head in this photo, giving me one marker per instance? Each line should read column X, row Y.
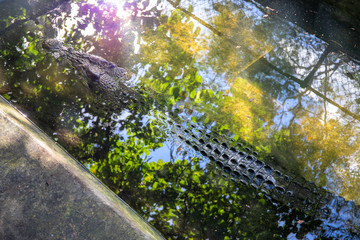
column 52, row 44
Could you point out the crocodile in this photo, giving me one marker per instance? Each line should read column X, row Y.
column 339, row 218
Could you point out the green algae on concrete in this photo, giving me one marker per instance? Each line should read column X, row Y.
column 46, row 194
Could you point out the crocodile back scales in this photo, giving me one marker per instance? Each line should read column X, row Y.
column 241, row 164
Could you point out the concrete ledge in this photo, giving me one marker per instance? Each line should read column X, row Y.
column 46, row 194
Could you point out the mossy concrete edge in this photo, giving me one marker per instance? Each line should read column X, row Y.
column 46, row 194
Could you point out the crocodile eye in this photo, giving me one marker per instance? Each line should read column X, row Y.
column 51, row 44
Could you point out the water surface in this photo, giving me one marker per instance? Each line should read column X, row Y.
column 237, row 69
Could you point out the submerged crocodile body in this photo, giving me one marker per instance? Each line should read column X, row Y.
column 339, row 218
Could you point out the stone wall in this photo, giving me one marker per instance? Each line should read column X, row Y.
column 46, row 194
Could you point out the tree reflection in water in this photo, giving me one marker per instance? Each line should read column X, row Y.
column 226, row 66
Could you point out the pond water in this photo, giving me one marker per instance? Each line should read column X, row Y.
column 208, row 73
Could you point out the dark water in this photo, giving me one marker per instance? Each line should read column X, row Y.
column 238, row 69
